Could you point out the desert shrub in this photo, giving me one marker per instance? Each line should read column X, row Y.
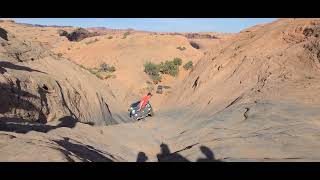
column 93, row 70
column 104, row 75
column 181, row 48
column 99, row 76
column 110, row 37
column 82, row 66
column 92, row 41
column 188, row 65
column 104, row 67
column 156, row 78
column 177, row 61
column 104, row 71
column 125, row 35
column 169, row 67
column 194, row 45
column 153, row 71
column 151, row 68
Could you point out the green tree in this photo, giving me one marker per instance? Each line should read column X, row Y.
column 188, row 65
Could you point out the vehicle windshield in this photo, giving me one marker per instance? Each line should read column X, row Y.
column 135, row 104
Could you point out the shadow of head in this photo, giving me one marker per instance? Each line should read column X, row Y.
column 164, row 148
column 166, row 156
column 209, row 155
column 142, row 157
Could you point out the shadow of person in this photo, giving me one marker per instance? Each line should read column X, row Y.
column 166, row 156
column 164, row 152
column 142, row 157
column 209, row 155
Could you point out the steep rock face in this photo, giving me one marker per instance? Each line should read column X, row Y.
column 36, row 85
column 262, row 63
column 20, row 50
column 254, row 96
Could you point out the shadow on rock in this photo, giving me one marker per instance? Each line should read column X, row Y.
column 68, row 122
column 13, row 97
column 9, row 65
column 209, row 155
column 166, row 155
column 142, row 157
column 10, row 97
column 19, row 125
column 3, row 34
column 84, row 152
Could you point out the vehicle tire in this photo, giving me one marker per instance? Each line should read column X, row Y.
column 151, row 113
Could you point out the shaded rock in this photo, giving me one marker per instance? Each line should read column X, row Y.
column 199, row 36
column 62, row 32
column 80, row 34
column 48, row 90
column 3, row 34
column 194, row 45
